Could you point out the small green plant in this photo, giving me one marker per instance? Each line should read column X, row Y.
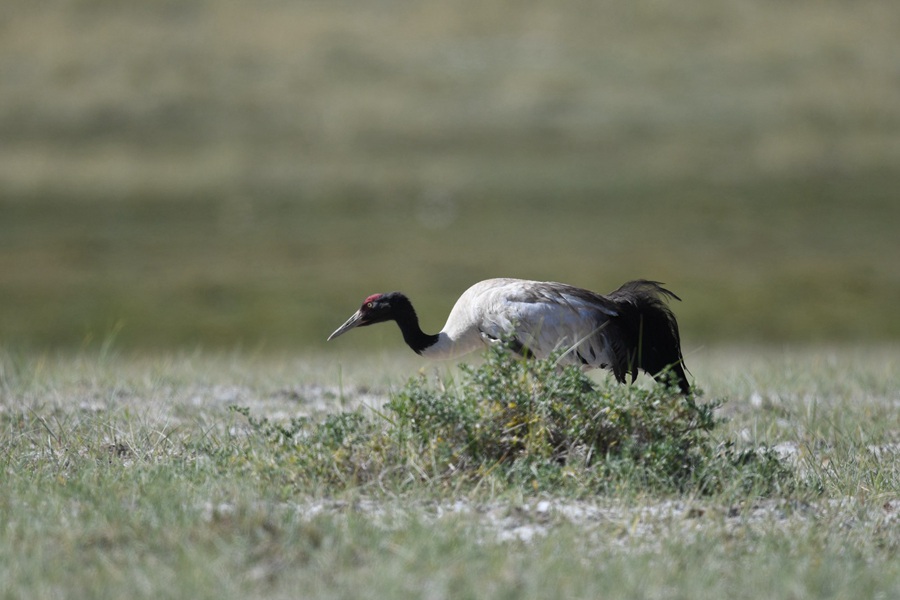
column 528, row 422
column 526, row 416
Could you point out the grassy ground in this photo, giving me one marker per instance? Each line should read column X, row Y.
column 219, row 174
column 111, row 486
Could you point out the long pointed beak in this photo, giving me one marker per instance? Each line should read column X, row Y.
column 352, row 322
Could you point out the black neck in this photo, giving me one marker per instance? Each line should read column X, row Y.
column 408, row 321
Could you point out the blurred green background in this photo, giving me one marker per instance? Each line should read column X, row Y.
column 223, row 174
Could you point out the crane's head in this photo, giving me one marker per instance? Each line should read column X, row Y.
column 377, row 308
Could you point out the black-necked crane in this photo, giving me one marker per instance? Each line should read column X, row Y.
column 627, row 330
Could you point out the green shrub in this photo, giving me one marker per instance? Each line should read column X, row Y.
column 528, row 422
column 523, row 417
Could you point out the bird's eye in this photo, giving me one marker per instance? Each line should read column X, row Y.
column 369, row 305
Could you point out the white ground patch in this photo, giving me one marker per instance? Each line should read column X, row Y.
column 619, row 526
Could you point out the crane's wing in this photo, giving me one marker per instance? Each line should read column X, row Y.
column 540, row 318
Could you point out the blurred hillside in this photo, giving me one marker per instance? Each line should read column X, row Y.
column 189, row 173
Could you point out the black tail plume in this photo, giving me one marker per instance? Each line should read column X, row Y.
column 647, row 335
